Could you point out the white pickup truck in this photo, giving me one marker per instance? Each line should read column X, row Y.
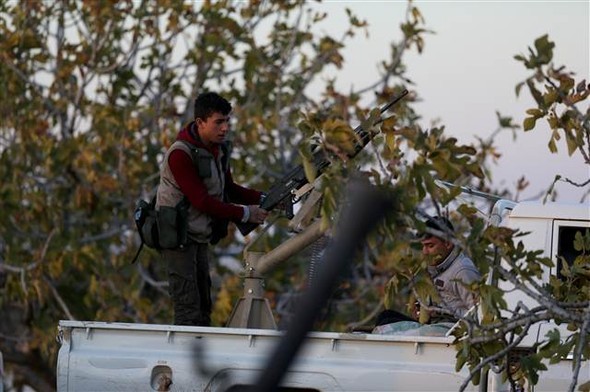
column 99, row 356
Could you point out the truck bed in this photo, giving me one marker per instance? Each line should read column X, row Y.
column 102, row 356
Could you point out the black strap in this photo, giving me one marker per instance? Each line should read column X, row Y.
column 138, row 252
column 226, row 149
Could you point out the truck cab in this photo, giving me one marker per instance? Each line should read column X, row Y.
column 551, row 228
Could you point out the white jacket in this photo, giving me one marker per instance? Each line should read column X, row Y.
column 448, row 277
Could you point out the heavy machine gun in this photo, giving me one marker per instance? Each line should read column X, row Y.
column 284, row 189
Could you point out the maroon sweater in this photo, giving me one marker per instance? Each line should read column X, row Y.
column 187, row 176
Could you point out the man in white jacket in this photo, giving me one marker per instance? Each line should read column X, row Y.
column 450, row 269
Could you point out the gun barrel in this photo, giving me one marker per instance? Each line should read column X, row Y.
column 364, row 136
column 296, row 178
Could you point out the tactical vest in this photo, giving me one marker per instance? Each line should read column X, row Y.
column 211, row 171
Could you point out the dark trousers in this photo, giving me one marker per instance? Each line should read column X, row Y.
column 389, row 316
column 189, row 284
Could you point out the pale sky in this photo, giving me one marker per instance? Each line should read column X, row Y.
column 467, row 72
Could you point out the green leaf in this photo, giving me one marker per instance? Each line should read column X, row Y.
column 518, row 88
column 535, row 113
column 552, row 146
column 521, row 58
column 529, row 123
column 572, row 143
column 550, row 97
column 544, row 49
column 531, row 365
column 310, row 170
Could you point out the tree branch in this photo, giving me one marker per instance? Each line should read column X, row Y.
column 59, row 299
column 490, row 359
column 158, row 285
column 584, row 332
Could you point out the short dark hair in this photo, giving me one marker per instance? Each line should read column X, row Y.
column 439, row 223
column 208, row 103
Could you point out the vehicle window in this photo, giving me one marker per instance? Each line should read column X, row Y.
column 565, row 246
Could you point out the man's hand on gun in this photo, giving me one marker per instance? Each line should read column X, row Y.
column 257, row 214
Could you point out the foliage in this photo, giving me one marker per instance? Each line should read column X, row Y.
column 558, row 97
column 94, row 93
column 490, row 342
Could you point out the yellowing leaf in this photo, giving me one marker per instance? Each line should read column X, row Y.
column 310, row 170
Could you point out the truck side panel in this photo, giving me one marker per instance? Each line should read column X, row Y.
column 123, row 357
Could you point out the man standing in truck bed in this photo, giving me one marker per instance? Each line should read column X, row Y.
column 196, row 169
column 450, row 270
